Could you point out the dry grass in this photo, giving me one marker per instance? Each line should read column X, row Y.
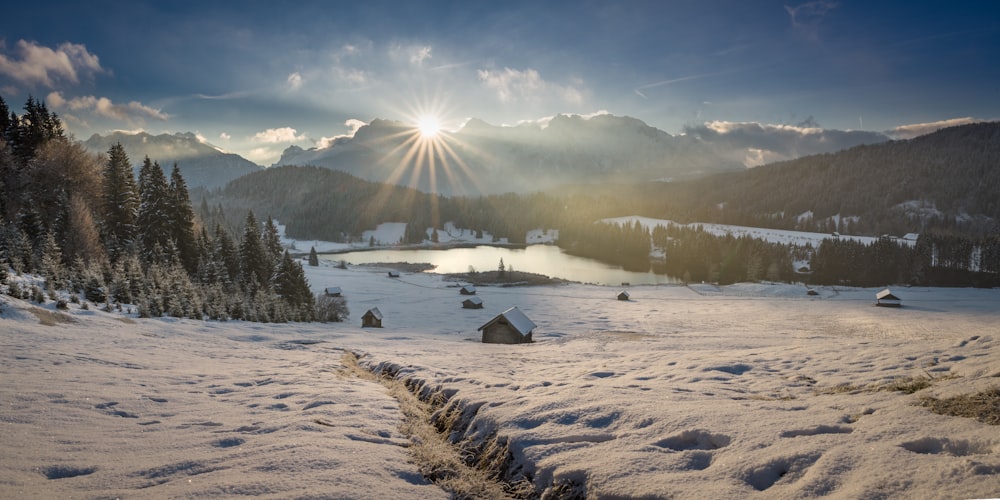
column 982, row 406
column 49, row 318
column 438, row 460
column 906, row 385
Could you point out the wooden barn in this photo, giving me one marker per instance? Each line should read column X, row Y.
column 332, row 291
column 467, row 290
column 623, row 295
column 372, row 319
column 472, row 303
column 885, row 298
column 508, row 327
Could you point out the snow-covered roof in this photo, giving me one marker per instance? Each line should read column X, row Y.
column 375, row 313
column 332, row 290
column 473, row 300
column 886, row 295
column 515, row 318
column 469, row 288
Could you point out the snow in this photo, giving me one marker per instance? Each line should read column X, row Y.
column 786, row 237
column 700, row 391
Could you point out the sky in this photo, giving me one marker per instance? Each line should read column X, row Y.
column 254, row 77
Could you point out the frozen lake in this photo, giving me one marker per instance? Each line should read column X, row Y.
column 548, row 260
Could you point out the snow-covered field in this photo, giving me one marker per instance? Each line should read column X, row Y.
column 749, row 390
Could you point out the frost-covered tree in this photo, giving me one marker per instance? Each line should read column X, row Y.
column 153, row 220
column 182, row 221
column 119, row 203
column 255, row 267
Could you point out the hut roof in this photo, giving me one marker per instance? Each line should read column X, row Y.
column 515, row 318
column 375, row 313
column 332, row 290
column 473, row 300
column 885, row 295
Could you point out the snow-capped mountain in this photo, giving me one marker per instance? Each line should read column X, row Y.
column 201, row 163
column 485, row 158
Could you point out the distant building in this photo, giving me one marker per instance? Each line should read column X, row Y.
column 467, row 290
column 623, row 295
column 372, row 319
column 885, row 298
column 332, row 291
column 508, row 327
column 472, row 303
column 811, row 292
column 393, row 274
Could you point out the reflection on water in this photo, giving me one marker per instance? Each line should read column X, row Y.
column 541, row 259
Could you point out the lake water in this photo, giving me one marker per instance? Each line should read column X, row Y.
column 547, row 260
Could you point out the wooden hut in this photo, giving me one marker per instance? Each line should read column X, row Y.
column 885, row 298
column 467, row 290
column 372, row 319
column 472, row 303
column 332, row 291
column 508, row 327
column 393, row 274
column 623, row 295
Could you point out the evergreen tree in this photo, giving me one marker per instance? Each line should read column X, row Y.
column 291, row 285
column 182, row 221
column 153, row 220
column 313, row 257
column 272, row 243
column 256, row 269
column 120, row 203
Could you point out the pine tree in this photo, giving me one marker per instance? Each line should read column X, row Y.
column 255, row 271
column 272, row 243
column 182, row 221
column 153, row 221
column 313, row 257
column 120, row 204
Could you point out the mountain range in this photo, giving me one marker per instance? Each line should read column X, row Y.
column 480, row 158
column 201, row 164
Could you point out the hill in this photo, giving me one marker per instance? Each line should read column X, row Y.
column 946, row 179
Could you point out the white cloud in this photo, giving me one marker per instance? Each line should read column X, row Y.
column 918, row 129
column 276, row 135
column 37, row 64
column 513, row 85
column 224, row 136
column 262, row 155
column 419, row 54
column 294, row 80
column 354, row 124
column 133, row 112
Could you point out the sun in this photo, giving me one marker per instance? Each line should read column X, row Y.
column 429, row 127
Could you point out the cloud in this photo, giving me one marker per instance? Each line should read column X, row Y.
column 276, row 135
column 224, row 136
column 36, row 64
column 354, row 124
column 294, row 80
column 134, row 112
column 918, row 129
column 261, row 155
column 807, row 17
column 760, row 143
column 513, row 85
column 419, row 54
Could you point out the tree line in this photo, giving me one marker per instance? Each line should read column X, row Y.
column 86, row 224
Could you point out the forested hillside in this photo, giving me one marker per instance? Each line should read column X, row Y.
column 84, row 223
column 949, row 179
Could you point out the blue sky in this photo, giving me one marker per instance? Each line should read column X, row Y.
column 254, row 77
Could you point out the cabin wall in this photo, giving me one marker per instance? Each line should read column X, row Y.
column 499, row 333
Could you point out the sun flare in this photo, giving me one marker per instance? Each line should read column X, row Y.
column 429, row 127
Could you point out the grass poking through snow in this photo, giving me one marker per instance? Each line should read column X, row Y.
column 438, row 460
